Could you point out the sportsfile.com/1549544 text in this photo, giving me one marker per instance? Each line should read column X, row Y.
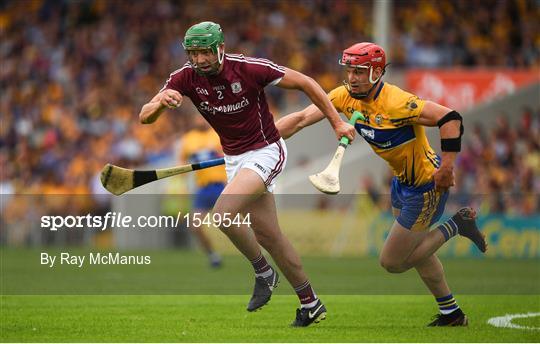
column 118, row 220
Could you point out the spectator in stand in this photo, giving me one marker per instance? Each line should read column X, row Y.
column 74, row 73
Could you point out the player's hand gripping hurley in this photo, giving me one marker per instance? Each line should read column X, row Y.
column 327, row 181
column 118, row 180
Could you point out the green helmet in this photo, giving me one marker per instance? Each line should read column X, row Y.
column 205, row 35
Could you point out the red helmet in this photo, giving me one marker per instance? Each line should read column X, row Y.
column 364, row 55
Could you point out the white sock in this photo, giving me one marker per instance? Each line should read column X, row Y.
column 309, row 305
column 266, row 274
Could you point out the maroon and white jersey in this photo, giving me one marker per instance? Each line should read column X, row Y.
column 233, row 102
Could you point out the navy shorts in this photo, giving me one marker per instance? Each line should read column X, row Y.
column 420, row 207
column 206, row 197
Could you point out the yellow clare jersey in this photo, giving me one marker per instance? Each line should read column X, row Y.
column 200, row 146
column 390, row 129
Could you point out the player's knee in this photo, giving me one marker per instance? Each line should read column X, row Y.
column 392, row 266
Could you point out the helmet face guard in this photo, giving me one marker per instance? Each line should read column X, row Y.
column 205, row 36
column 364, row 56
column 362, row 95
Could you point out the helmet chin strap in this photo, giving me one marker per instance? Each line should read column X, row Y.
column 220, row 55
column 371, row 76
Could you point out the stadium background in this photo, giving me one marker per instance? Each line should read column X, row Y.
column 74, row 75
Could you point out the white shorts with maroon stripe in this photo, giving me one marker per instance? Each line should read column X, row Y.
column 268, row 162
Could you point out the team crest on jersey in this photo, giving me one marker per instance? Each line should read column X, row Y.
column 378, row 119
column 411, row 103
column 236, row 87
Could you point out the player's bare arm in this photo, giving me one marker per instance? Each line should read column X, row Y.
column 296, row 121
column 296, row 80
column 154, row 108
column 449, row 123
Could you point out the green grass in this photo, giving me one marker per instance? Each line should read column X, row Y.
column 192, row 318
column 365, row 303
column 184, row 272
column 528, row 322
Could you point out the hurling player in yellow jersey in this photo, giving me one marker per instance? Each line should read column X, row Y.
column 394, row 128
column 201, row 144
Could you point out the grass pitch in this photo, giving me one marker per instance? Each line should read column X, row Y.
column 365, row 304
column 222, row 318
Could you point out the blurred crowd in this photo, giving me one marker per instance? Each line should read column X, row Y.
column 467, row 33
column 498, row 170
column 74, row 74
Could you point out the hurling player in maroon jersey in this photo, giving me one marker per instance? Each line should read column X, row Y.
column 228, row 91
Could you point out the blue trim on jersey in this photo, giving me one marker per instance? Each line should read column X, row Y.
column 378, row 90
column 435, row 161
column 385, row 138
